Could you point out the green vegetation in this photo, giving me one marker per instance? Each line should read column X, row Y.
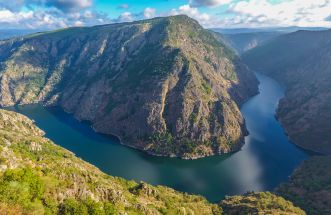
column 39, row 177
column 22, row 187
column 259, row 203
column 164, row 138
column 194, row 117
column 206, row 87
column 132, row 78
column 310, row 186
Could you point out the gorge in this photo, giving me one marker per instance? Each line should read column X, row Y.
column 195, row 118
column 265, row 161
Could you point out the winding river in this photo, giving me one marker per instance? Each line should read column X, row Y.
column 266, row 160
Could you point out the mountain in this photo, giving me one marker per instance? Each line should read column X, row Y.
column 39, row 177
column 166, row 85
column 246, row 41
column 301, row 61
column 310, row 186
column 284, row 30
column 8, row 33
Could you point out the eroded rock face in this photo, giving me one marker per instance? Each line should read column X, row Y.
column 301, row 61
column 165, row 86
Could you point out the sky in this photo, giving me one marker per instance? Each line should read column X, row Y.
column 53, row 14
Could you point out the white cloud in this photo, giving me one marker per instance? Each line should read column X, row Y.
column 49, row 19
column 125, row 17
column 79, row 23
column 262, row 13
column 6, row 16
column 243, row 13
column 88, row 14
column 208, row 3
column 149, row 12
column 202, row 18
column 295, row 12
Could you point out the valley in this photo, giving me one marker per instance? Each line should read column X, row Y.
column 184, row 119
column 265, row 161
column 304, row 67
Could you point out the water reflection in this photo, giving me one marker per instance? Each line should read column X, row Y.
column 266, row 159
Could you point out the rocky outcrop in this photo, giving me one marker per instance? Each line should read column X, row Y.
column 301, row 61
column 165, row 86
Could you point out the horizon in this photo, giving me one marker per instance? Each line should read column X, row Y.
column 224, row 14
column 223, row 30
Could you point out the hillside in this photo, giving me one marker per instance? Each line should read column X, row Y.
column 301, row 61
column 39, row 177
column 244, row 42
column 165, row 86
column 8, row 33
column 310, row 186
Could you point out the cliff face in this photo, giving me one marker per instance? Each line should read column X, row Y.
column 301, row 61
column 39, row 177
column 165, row 86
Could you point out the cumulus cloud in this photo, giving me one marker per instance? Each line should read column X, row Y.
column 239, row 13
column 262, row 13
column 202, row 18
column 30, row 19
column 125, row 17
column 295, row 12
column 149, row 12
column 50, row 19
column 208, row 3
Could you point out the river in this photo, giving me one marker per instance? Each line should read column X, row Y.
column 266, row 160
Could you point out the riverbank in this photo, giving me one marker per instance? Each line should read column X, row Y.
column 265, row 161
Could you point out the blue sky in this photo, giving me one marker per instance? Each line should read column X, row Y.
column 52, row 14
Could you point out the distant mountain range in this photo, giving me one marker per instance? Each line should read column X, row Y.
column 284, row 30
column 243, row 42
column 8, row 33
column 245, row 39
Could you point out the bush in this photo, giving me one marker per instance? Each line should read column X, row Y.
column 72, row 207
column 21, row 183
